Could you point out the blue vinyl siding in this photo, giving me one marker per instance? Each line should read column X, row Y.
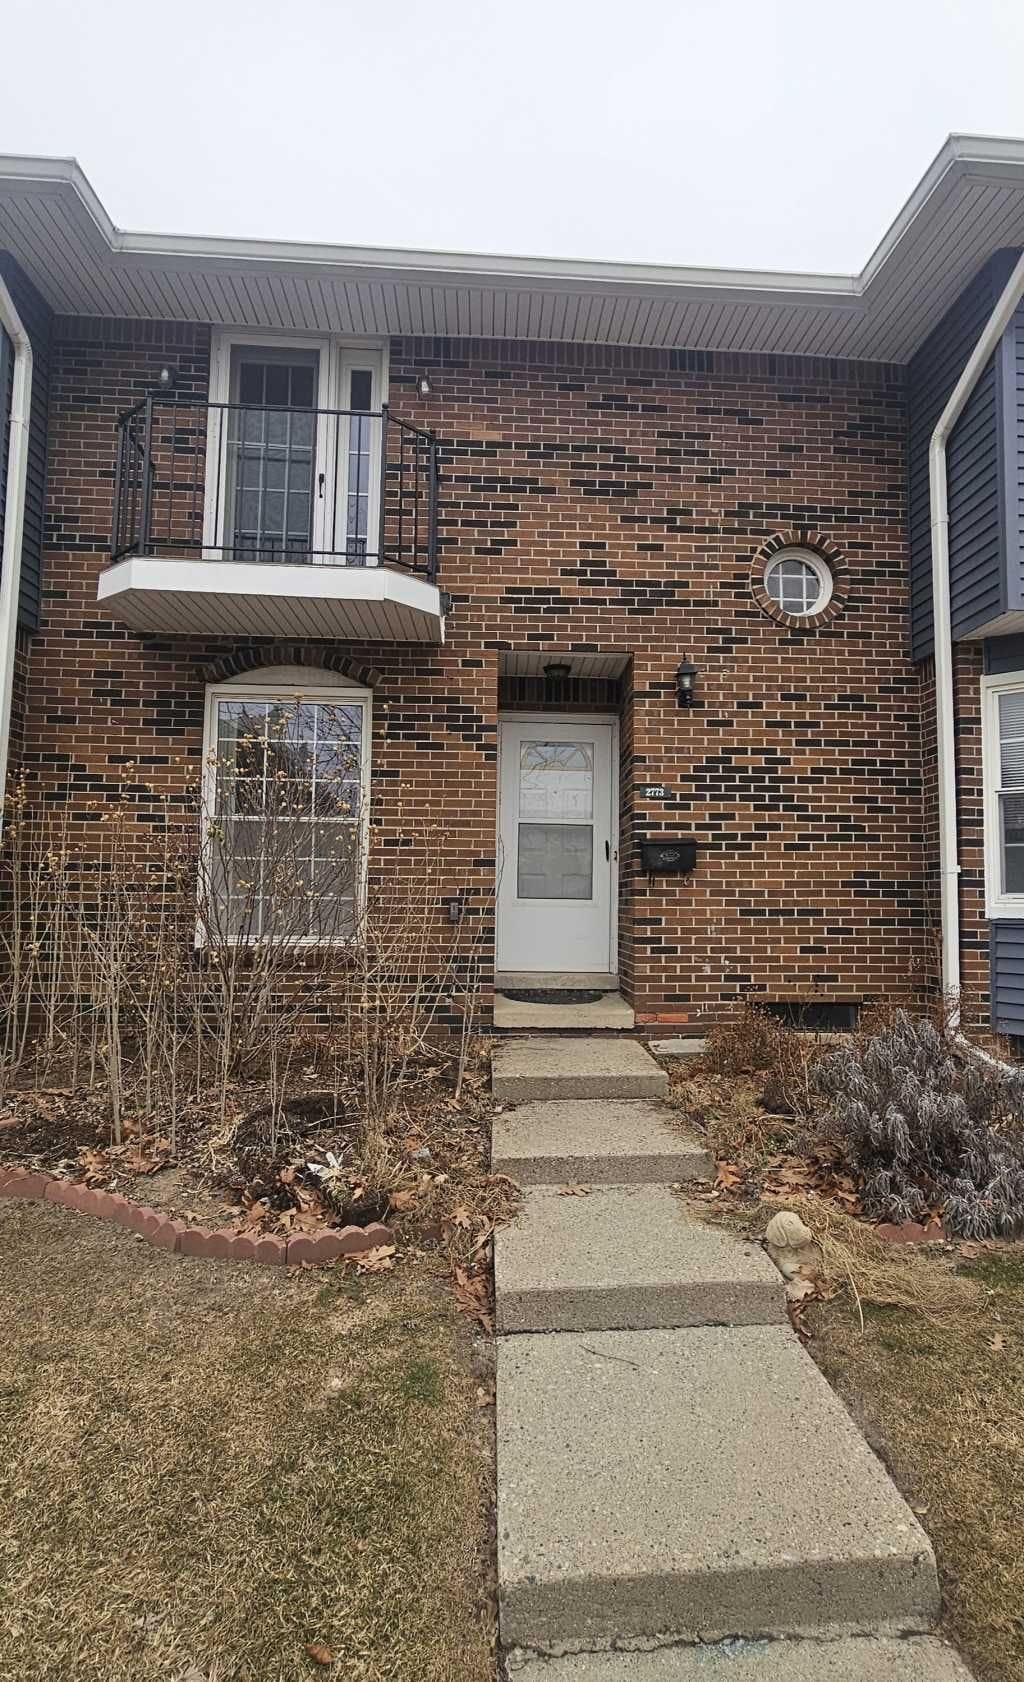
column 36, row 318
column 1007, row 957
column 978, row 488
column 1015, row 459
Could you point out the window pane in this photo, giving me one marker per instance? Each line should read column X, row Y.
column 794, row 584
column 1011, row 808
column 556, row 780
column 556, row 861
column 1011, row 738
column 284, row 841
column 269, row 471
column 361, row 389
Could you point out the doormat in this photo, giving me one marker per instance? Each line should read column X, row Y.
column 552, row 995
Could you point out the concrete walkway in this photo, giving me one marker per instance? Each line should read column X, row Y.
column 680, row 1493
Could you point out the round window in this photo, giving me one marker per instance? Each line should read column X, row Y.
column 798, row 582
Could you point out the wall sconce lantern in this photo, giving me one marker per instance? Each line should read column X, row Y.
column 166, row 379
column 557, row 669
column 424, row 386
column 685, row 675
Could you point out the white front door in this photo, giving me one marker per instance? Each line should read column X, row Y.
column 556, row 844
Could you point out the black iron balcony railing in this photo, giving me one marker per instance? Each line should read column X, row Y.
column 246, row 482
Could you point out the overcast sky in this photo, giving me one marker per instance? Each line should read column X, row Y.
column 744, row 132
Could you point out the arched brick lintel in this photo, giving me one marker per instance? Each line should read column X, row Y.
column 218, row 666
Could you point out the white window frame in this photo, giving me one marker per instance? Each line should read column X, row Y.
column 289, row 685
column 997, row 903
column 338, row 357
column 822, row 572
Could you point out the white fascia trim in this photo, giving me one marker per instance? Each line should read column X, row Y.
column 998, row 906
column 961, row 154
column 308, row 581
column 14, row 519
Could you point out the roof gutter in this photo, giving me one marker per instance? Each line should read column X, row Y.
column 14, row 518
column 945, row 729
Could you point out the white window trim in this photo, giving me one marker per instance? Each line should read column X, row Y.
column 337, row 357
column 251, row 688
column 821, row 570
column 997, row 904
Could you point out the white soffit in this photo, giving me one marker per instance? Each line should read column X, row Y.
column 527, row 663
column 969, row 204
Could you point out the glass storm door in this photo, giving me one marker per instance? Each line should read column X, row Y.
column 273, row 456
column 555, row 845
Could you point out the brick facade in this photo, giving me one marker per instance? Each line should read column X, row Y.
column 593, row 500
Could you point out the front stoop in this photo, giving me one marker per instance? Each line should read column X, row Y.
column 596, row 1141
column 864, row 1659
column 539, row 1067
column 693, row 1485
column 625, row 1257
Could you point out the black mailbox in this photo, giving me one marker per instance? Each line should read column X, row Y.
column 669, row 857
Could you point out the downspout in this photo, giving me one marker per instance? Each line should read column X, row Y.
column 949, row 863
column 14, row 519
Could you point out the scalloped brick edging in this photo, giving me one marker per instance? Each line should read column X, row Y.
column 163, row 1232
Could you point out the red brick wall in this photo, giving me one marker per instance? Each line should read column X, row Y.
column 592, row 500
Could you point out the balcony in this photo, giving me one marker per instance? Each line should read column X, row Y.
column 235, row 519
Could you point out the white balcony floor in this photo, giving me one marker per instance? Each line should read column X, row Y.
column 238, row 598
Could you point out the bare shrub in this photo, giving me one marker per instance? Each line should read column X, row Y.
column 923, row 1128
column 165, row 948
column 754, row 1042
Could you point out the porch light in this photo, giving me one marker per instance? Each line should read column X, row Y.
column 557, row 669
column 424, row 386
column 166, row 378
column 685, row 675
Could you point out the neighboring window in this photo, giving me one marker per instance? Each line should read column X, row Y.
column 798, row 582
column 285, row 808
column 1003, row 746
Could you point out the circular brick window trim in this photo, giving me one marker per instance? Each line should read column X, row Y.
column 819, row 550
column 165, row 1233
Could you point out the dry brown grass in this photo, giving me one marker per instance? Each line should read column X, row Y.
column 207, row 1467
column 926, row 1346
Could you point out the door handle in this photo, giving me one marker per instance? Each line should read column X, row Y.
column 322, row 480
column 608, row 850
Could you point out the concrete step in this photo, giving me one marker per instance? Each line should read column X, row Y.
column 693, row 1485
column 626, row 1257
column 678, row 1047
column 610, row 1011
column 537, row 1067
column 595, row 1142
column 918, row 1658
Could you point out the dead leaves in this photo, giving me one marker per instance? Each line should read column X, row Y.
column 729, row 1175
column 319, row 1652
column 574, row 1191
column 380, row 1260
column 472, row 1296
column 402, row 1202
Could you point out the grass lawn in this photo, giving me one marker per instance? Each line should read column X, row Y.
column 940, row 1394
column 207, row 1467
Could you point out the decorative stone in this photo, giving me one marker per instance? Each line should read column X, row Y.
column 791, row 1245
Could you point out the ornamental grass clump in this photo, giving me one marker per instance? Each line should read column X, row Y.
column 925, row 1129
